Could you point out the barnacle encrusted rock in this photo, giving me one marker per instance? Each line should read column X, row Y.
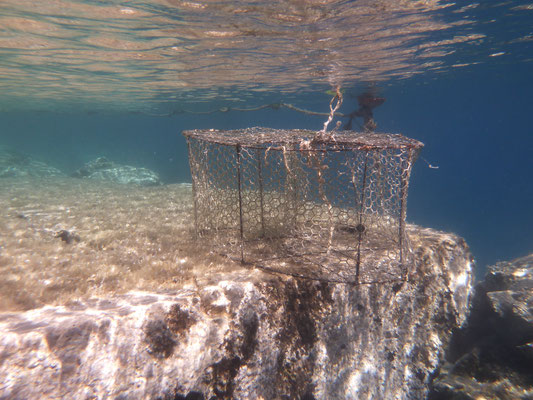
column 246, row 335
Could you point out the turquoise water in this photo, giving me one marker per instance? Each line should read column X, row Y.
column 84, row 79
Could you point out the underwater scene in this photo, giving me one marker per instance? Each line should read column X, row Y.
column 296, row 199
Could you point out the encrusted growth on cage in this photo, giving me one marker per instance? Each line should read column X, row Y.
column 331, row 209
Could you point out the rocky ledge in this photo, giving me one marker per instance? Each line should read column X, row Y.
column 492, row 356
column 247, row 336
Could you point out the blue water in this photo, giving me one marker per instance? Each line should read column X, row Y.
column 475, row 122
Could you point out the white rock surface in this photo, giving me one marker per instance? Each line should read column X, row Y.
column 246, row 338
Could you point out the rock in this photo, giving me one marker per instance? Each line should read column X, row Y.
column 248, row 335
column 126, row 174
column 103, row 169
column 101, row 163
column 67, row 236
column 492, row 356
column 14, row 164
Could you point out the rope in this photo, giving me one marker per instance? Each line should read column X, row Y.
column 274, row 106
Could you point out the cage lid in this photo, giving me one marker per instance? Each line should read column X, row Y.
column 301, row 139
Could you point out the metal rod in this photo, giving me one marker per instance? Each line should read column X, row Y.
column 360, row 227
column 260, row 176
column 194, row 178
column 404, row 184
column 238, row 149
column 291, row 182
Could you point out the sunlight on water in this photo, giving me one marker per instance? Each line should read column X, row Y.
column 139, row 54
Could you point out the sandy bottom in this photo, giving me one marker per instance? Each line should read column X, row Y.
column 66, row 238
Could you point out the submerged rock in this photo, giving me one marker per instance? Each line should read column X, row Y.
column 248, row 335
column 126, row 174
column 14, row 164
column 492, row 356
column 101, row 163
column 103, row 169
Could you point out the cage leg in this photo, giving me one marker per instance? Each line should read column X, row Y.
column 260, row 179
column 404, row 185
column 292, row 184
column 360, row 226
column 194, row 193
column 239, row 184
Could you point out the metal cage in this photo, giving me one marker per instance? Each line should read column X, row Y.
column 286, row 201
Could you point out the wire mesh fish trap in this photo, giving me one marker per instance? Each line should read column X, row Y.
column 286, row 201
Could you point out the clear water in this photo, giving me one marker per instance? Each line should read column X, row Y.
column 122, row 79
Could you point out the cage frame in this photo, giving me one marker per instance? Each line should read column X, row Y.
column 306, row 141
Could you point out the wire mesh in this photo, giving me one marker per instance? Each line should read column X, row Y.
column 330, row 209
